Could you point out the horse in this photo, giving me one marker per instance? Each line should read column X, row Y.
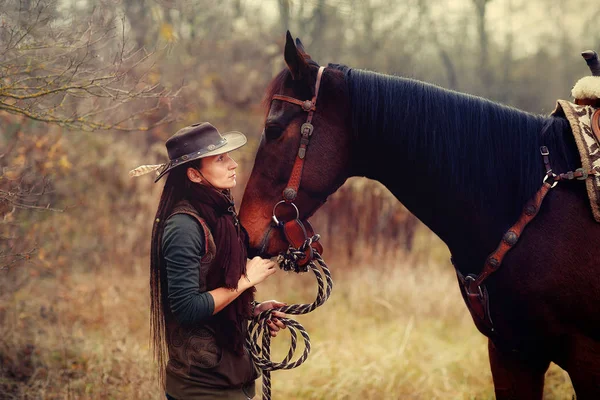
column 466, row 167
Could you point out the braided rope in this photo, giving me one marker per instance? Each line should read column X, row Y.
column 261, row 355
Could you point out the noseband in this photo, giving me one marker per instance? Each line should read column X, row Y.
column 296, row 231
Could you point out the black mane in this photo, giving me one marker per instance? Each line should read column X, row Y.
column 478, row 144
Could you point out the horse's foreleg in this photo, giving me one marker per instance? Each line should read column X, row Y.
column 583, row 365
column 517, row 376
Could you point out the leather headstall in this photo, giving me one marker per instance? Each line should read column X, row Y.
column 296, row 231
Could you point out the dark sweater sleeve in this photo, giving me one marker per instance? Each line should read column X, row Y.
column 183, row 247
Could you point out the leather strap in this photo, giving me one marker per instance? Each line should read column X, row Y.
column 579, row 174
column 478, row 304
column 472, row 286
column 596, row 125
column 307, row 105
column 474, row 290
column 512, row 236
column 588, row 102
column 306, row 131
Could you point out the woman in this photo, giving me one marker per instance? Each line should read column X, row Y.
column 202, row 284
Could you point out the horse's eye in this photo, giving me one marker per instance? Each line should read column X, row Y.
column 272, row 132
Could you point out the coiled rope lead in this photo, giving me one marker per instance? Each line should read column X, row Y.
column 262, row 354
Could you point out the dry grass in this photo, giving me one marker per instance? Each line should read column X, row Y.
column 396, row 329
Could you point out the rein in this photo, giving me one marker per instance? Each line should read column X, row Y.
column 261, row 355
column 472, row 286
column 304, row 253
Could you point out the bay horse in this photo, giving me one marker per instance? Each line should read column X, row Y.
column 465, row 166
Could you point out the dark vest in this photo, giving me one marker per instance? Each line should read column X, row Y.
column 195, row 359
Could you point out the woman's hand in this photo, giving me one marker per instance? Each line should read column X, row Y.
column 258, row 269
column 275, row 324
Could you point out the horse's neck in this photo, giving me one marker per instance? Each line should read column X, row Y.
column 457, row 220
column 415, row 175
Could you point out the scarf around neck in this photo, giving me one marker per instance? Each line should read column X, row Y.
column 217, row 208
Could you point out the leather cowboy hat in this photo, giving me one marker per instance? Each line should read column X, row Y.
column 191, row 143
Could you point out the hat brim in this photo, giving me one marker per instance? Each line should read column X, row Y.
column 234, row 139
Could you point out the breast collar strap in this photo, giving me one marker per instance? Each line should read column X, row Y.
column 473, row 286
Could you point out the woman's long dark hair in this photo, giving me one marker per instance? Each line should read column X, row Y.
column 174, row 190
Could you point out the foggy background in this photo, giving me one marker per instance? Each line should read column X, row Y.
column 92, row 89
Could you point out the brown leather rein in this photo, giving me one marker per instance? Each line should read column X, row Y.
column 296, row 231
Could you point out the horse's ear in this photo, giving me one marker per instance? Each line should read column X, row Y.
column 300, row 46
column 294, row 59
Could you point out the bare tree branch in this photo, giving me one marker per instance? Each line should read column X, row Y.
column 78, row 73
column 47, row 72
column 9, row 259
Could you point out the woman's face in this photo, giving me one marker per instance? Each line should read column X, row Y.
column 219, row 170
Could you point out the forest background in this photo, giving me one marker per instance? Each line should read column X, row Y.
column 92, row 89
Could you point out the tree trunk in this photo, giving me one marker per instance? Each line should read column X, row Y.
column 485, row 72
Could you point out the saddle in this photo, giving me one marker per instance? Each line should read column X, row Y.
column 583, row 114
column 586, row 91
column 596, row 125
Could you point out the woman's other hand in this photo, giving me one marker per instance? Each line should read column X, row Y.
column 275, row 324
column 258, row 269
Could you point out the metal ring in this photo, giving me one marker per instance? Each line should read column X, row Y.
column 283, row 201
column 552, row 175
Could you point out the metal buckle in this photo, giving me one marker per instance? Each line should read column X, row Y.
column 470, row 278
column 544, row 151
column 584, row 174
column 307, row 129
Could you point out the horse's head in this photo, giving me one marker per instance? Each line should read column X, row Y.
column 325, row 162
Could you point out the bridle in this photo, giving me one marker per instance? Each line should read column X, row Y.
column 296, row 231
column 303, row 254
